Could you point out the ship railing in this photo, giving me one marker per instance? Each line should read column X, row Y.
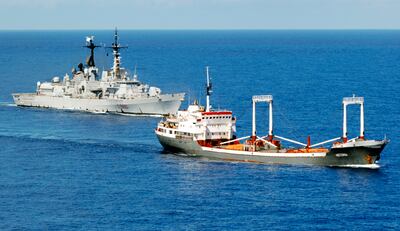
column 262, row 98
column 238, row 139
column 325, row 142
column 285, row 139
column 266, row 141
column 353, row 100
column 306, row 145
column 291, row 141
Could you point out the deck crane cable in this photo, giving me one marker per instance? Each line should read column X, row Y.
column 293, row 131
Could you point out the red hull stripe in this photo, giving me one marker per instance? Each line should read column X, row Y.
column 217, row 113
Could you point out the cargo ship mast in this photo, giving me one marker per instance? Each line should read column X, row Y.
column 208, row 90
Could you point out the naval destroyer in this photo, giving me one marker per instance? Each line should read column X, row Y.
column 200, row 131
column 115, row 91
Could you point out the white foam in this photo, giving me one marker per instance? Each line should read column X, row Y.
column 98, row 112
column 137, row 115
column 369, row 166
column 8, row 104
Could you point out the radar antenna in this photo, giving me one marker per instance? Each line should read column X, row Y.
column 91, row 46
column 115, row 46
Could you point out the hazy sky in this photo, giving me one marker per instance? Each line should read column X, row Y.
column 200, row 14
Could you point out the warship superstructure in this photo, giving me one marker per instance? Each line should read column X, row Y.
column 200, row 131
column 114, row 91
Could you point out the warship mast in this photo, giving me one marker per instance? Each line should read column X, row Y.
column 91, row 46
column 117, row 57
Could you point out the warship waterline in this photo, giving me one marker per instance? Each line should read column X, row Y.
column 115, row 91
column 203, row 132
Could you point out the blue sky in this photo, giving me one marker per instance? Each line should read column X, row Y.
column 200, row 14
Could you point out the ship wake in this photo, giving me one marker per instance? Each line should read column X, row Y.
column 7, row 104
column 366, row 166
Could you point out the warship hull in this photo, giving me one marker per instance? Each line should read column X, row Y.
column 358, row 157
column 161, row 105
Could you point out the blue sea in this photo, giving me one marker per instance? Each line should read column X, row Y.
column 80, row 171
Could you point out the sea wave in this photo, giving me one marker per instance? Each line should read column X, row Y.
column 137, row 115
column 76, row 141
column 7, row 104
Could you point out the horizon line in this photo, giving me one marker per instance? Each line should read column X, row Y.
column 199, row 29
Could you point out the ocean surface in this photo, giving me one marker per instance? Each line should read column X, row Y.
column 80, row 171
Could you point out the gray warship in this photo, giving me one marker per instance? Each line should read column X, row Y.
column 203, row 132
column 115, row 91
